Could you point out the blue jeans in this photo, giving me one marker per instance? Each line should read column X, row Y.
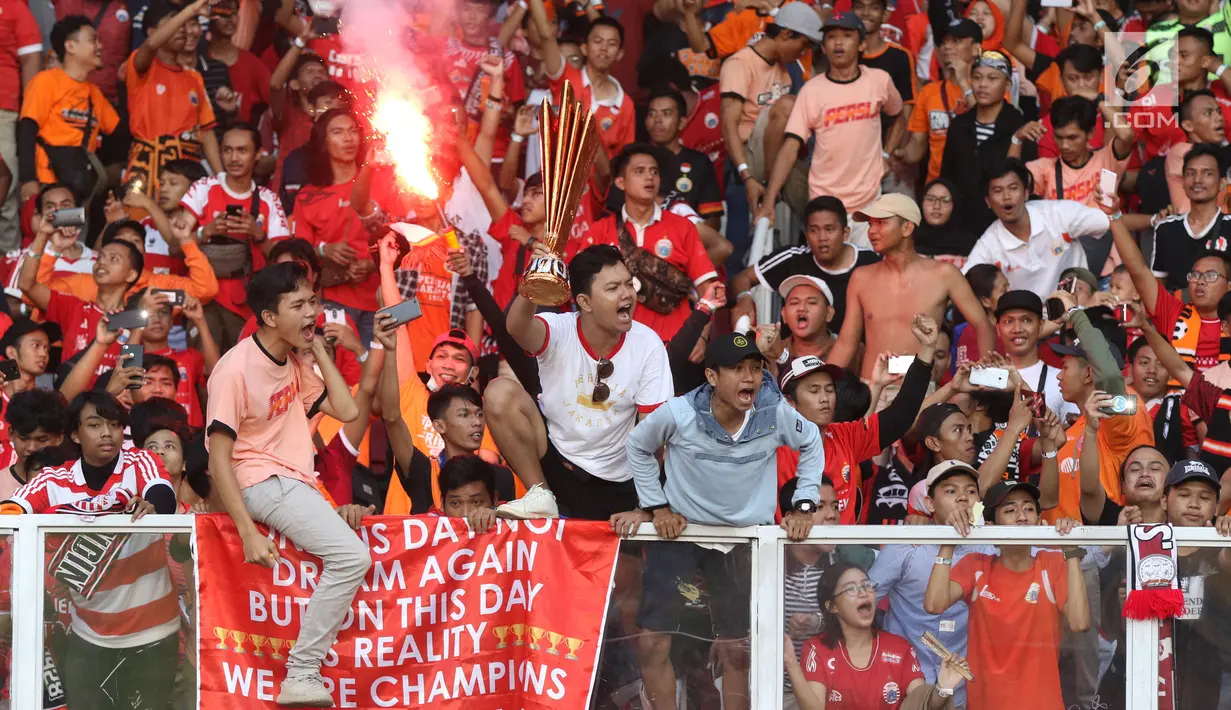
column 365, row 321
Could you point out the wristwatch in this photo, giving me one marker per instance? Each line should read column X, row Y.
column 944, row 692
column 1075, row 553
column 805, row 506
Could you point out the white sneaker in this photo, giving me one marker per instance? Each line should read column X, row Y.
column 537, row 503
column 307, row 691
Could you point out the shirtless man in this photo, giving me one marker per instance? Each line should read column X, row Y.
column 883, row 298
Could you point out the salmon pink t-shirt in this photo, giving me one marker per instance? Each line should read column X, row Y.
column 1079, row 183
column 759, row 82
column 264, row 405
column 845, row 118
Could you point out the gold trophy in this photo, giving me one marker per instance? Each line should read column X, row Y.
column 536, row 634
column 573, row 644
column 222, row 634
column 569, row 142
column 257, row 642
column 276, row 644
column 518, row 630
column 239, row 637
column 501, row 632
column 555, row 639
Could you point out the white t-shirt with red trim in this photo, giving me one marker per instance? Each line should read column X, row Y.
column 138, row 578
column 592, row 435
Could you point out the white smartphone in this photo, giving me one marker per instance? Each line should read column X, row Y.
column 996, row 378
column 335, row 315
column 1057, row 3
column 899, row 364
column 1107, row 183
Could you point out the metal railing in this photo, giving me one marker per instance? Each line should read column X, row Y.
column 27, row 536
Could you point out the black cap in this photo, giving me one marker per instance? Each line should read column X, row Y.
column 931, row 418
column 730, row 350
column 964, row 28
column 1104, row 319
column 846, row 21
column 22, row 327
column 997, row 493
column 1020, row 301
column 1192, row 469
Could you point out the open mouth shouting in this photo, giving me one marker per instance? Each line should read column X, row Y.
column 746, row 395
column 624, row 313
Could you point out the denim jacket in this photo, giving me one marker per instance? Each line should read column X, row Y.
column 713, row 479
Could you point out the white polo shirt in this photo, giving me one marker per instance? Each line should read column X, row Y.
column 1036, row 264
column 588, row 433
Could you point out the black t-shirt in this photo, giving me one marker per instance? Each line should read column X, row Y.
column 688, row 177
column 418, row 483
column 1175, row 249
column 985, row 444
column 1109, row 516
column 790, row 261
column 897, row 63
column 891, row 491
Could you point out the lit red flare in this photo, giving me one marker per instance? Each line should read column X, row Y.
column 400, row 119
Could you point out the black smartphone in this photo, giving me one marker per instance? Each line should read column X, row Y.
column 235, row 211
column 128, row 319
column 174, row 296
column 323, row 26
column 8, row 368
column 1053, row 310
column 402, row 313
column 68, row 217
column 138, row 356
column 1121, row 405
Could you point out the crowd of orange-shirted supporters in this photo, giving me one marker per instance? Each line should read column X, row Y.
column 848, row 262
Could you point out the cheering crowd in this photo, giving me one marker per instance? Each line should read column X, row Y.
column 998, row 295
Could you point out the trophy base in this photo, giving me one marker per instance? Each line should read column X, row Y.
column 545, row 281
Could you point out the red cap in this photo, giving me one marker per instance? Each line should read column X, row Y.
column 460, row 339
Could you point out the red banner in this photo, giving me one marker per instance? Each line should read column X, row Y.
column 508, row 619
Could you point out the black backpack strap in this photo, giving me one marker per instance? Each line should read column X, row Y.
column 1042, row 379
column 255, row 208
column 1059, row 179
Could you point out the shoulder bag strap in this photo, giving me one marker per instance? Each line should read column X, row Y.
column 1042, row 379
column 1059, row 179
column 102, row 11
column 255, row 208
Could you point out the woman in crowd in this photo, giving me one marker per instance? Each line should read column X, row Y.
column 942, row 234
column 854, row 660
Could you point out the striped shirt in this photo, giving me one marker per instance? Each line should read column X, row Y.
column 799, row 597
column 983, row 131
column 134, row 603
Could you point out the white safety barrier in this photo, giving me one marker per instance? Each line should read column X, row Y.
column 27, row 536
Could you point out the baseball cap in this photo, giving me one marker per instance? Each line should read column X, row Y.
column 931, row 418
column 798, row 17
column 844, row 21
column 461, row 340
column 730, row 350
column 964, row 28
column 890, row 205
column 803, row 366
column 785, row 288
column 997, row 493
column 1190, row 470
column 24, row 326
column 1028, row 301
column 1101, row 317
column 949, row 469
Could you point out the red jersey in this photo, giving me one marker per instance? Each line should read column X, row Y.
column 191, row 366
column 1167, row 312
column 19, row 37
column 847, row 444
column 702, row 130
column 461, row 61
column 158, row 256
column 208, row 200
column 334, row 465
column 880, row 686
column 1157, row 123
column 250, row 80
column 79, row 320
column 323, row 215
column 504, row 286
column 673, row 239
column 291, row 132
column 343, row 66
column 136, row 579
column 616, row 118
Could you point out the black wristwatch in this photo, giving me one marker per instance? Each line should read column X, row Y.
column 805, row 506
column 1075, row 553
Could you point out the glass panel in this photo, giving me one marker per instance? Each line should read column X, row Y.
column 678, row 625
column 1194, row 648
column 119, row 619
column 6, row 617
column 860, row 631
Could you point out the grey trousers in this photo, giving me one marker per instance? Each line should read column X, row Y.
column 300, row 512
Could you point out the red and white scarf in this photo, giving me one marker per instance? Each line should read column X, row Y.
column 1154, row 594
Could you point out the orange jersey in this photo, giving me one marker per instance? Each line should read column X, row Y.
column 933, row 111
column 616, row 118
column 62, row 107
column 744, row 29
column 1117, row 437
column 167, row 101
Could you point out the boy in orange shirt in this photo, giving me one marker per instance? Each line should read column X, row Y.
column 170, row 115
column 261, row 396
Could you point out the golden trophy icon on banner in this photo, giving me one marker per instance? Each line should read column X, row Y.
column 239, row 637
column 501, row 632
column 569, row 142
column 536, row 634
column 222, row 634
column 555, row 639
column 276, row 644
column 518, row 630
column 573, row 644
column 257, row 642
